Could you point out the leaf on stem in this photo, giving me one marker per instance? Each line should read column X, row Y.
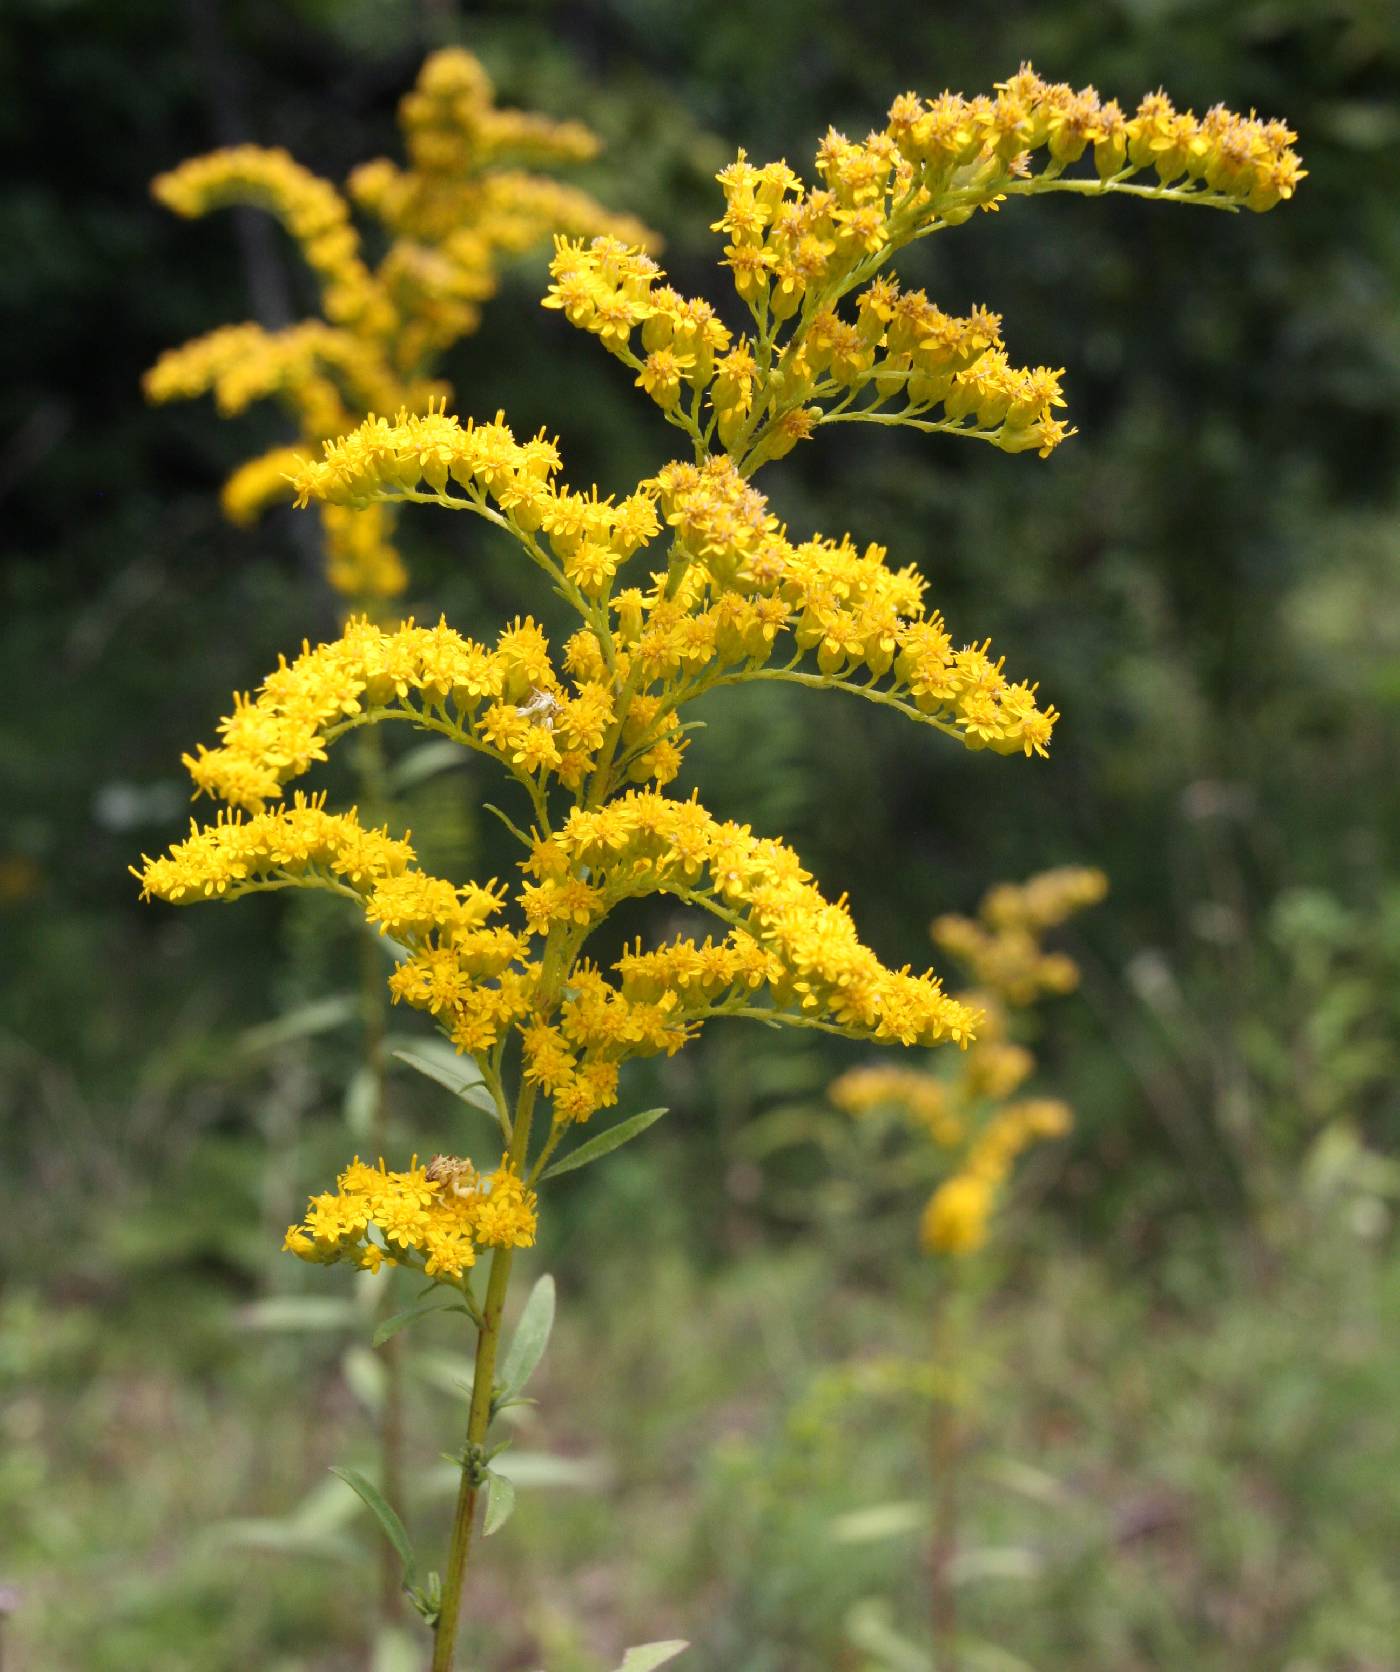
column 460, row 1075
column 379, row 1505
column 297, row 1312
column 319, row 1016
column 531, row 1338
column 604, row 1143
column 361, row 1101
column 420, row 1309
column 439, row 754
column 646, row 1656
column 500, row 1501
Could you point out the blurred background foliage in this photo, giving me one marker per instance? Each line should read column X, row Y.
column 1175, row 1374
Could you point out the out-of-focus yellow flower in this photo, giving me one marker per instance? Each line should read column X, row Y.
column 970, row 1112
column 461, row 209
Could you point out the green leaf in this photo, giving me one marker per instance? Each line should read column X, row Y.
column 420, row 1309
column 361, row 1102
column 869, row 1627
column 893, row 1520
column 612, row 1139
column 460, row 1075
column 449, row 1373
column 365, row 1376
column 376, row 1502
column 531, row 1337
column 647, row 1656
column 282, row 1538
column 297, row 1312
column 426, row 761
column 320, row 1016
column 396, row 1650
column 500, row 1501
column 538, row 1468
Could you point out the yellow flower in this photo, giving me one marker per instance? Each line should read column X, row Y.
column 955, row 1220
column 451, row 220
column 435, row 1217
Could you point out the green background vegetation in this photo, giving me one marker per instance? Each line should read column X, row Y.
column 1174, row 1374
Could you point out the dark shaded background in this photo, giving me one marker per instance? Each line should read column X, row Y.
column 1205, row 581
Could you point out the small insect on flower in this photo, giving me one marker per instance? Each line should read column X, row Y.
column 542, row 706
column 456, row 1176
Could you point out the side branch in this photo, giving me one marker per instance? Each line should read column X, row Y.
column 826, row 682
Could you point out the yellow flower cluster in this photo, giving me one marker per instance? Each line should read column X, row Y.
column 318, row 371
column 593, row 733
column 797, row 252
column 311, row 209
column 899, row 344
column 238, row 855
column 643, row 842
column 734, row 585
column 452, row 128
column 434, row 1218
column 974, row 147
column 970, row 1111
column 505, row 701
column 1001, row 947
column 457, row 208
column 789, row 954
column 956, row 1218
column 451, row 218
column 258, row 484
column 926, row 1100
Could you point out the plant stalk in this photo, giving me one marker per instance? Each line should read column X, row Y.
column 478, row 1420
column 480, row 1412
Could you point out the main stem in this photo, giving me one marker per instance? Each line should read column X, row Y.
column 479, row 1413
column 478, row 1420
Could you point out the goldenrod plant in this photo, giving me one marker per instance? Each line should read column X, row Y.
column 462, row 207
column 973, row 1115
column 448, row 221
column 972, row 1124
column 683, row 584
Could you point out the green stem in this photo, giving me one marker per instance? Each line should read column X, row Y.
column 824, row 682
column 478, row 1420
column 1116, row 187
column 484, row 1378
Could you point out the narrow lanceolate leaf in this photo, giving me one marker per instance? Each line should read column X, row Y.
column 297, row 1312
column 460, row 1075
column 394, row 1529
column 531, row 1337
column 605, row 1142
column 425, row 762
column 319, row 1016
column 420, row 1309
column 500, row 1501
column 361, row 1102
column 647, row 1656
